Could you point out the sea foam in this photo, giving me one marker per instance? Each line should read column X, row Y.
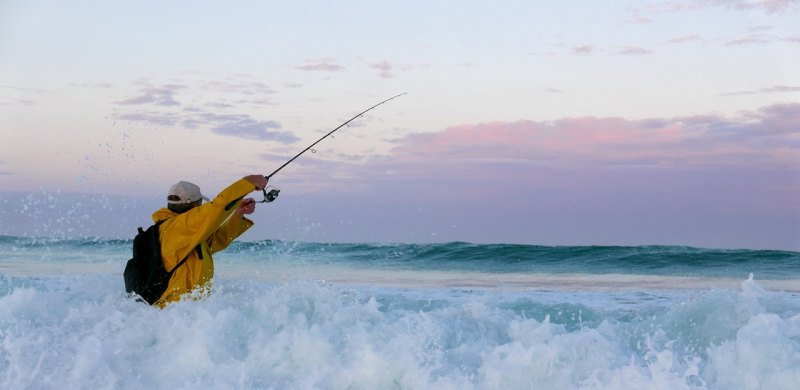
column 81, row 331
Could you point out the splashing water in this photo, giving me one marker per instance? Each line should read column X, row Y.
column 273, row 322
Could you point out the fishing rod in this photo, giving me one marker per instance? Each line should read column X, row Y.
column 271, row 195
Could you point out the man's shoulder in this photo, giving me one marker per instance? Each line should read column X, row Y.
column 162, row 214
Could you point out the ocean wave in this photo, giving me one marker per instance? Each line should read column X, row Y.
column 455, row 256
column 82, row 332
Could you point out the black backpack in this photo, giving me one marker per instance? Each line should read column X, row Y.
column 145, row 274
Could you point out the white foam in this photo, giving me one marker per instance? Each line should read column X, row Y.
column 82, row 332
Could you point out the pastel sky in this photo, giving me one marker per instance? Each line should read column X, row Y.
column 538, row 122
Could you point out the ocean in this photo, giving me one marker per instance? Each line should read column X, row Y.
column 294, row 315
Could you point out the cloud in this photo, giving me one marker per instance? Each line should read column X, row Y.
column 238, row 84
column 761, row 28
column 586, row 50
column 769, row 90
column 767, row 137
column 781, row 119
column 6, row 101
column 91, row 85
column 21, row 96
column 758, row 34
column 228, row 91
column 767, row 6
column 685, row 39
column 219, row 104
column 760, row 39
column 637, row 18
column 37, row 91
column 239, row 90
column 151, row 118
column 241, row 126
column 673, row 6
column 160, row 107
column 752, row 40
column 246, row 127
column 321, row 65
column 644, row 14
column 384, row 69
column 232, row 104
column 249, row 128
column 634, row 51
column 163, row 95
column 235, row 125
column 583, row 50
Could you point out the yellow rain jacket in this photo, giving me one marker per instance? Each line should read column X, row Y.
column 199, row 233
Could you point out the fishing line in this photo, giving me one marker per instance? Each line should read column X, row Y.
column 272, row 194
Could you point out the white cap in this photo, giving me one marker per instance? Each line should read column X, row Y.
column 185, row 192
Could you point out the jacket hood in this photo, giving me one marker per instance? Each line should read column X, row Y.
column 163, row 214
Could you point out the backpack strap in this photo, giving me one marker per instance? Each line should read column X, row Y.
column 186, row 258
column 180, row 263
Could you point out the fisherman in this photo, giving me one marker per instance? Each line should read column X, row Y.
column 194, row 231
column 173, row 257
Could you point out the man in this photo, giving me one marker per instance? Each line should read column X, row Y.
column 194, row 231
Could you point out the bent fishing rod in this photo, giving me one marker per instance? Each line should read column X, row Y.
column 272, row 194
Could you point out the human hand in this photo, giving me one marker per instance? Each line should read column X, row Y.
column 260, row 181
column 246, row 206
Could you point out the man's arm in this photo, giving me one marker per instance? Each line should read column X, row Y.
column 192, row 227
column 233, row 227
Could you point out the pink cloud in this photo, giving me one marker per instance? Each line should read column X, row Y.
column 767, row 136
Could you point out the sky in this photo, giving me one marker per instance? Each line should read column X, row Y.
column 535, row 122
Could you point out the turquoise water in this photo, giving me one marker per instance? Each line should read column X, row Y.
column 441, row 316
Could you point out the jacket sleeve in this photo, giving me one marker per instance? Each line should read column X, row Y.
column 185, row 231
column 232, row 228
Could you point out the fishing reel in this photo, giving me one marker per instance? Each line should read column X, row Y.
column 271, row 195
